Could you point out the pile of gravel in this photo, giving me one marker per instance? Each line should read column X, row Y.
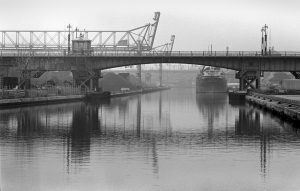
column 113, row 82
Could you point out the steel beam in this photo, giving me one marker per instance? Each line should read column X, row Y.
column 296, row 74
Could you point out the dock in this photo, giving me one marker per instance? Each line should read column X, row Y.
column 283, row 105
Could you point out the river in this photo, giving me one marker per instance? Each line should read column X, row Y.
column 169, row 140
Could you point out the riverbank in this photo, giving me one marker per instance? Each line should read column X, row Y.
column 39, row 100
column 283, row 105
column 15, row 102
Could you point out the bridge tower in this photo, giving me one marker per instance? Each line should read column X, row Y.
column 86, row 78
column 250, row 73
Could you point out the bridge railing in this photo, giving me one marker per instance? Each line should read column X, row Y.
column 111, row 53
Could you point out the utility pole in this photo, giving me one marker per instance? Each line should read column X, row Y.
column 264, row 40
column 76, row 30
column 69, row 39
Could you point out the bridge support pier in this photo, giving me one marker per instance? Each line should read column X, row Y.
column 249, row 79
column 296, row 74
column 88, row 80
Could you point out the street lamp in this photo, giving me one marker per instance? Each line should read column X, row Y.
column 69, row 43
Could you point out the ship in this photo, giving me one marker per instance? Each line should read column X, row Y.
column 211, row 80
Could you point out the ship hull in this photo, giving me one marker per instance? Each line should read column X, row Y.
column 211, row 84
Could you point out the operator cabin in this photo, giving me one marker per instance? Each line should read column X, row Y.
column 81, row 46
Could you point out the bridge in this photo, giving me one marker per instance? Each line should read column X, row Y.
column 51, row 51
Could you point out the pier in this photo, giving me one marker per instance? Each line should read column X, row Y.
column 283, row 105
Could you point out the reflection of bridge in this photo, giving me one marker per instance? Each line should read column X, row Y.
column 34, row 52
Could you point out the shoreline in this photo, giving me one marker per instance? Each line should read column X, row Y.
column 17, row 102
column 282, row 105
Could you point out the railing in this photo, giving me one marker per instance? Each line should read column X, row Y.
column 103, row 53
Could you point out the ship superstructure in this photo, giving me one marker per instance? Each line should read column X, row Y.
column 211, row 80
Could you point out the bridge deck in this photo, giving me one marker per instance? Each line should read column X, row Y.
column 96, row 53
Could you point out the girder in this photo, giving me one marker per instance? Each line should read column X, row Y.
column 248, row 64
column 168, row 47
column 110, row 60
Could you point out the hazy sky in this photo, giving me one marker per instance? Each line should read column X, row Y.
column 196, row 23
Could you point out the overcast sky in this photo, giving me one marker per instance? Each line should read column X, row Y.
column 196, row 23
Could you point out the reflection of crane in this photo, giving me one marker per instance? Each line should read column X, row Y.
column 138, row 118
column 167, row 48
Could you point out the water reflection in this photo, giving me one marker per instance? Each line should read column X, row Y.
column 249, row 124
column 138, row 118
column 144, row 142
column 211, row 105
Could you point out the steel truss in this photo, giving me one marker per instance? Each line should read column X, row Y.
column 168, row 47
column 140, row 37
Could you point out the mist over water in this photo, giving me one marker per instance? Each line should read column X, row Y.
column 170, row 140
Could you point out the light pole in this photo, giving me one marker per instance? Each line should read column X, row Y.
column 69, row 43
column 76, row 30
column 264, row 39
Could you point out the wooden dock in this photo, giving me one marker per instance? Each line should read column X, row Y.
column 283, row 105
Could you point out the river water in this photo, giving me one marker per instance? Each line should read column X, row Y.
column 170, row 140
